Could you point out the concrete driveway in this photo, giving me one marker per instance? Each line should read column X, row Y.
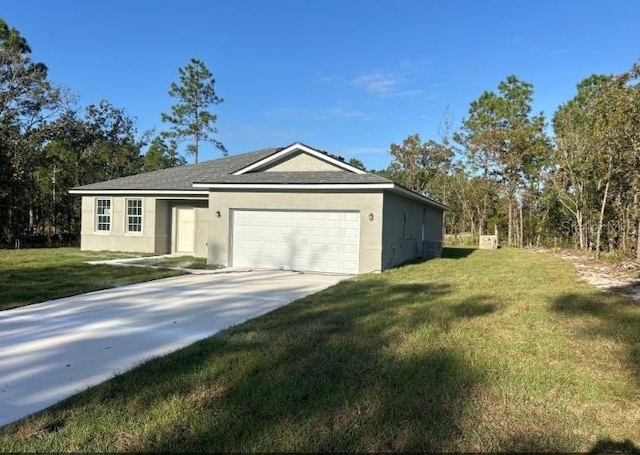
column 54, row 349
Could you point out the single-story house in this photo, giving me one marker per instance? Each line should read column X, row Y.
column 292, row 208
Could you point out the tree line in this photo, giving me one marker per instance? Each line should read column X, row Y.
column 573, row 182
column 49, row 145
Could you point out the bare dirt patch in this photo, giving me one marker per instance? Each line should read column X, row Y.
column 617, row 277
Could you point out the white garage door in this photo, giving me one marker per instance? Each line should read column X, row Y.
column 297, row 240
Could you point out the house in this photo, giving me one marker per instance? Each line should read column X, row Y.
column 284, row 208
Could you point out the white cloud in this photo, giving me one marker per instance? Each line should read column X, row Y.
column 385, row 84
column 377, row 83
column 340, row 112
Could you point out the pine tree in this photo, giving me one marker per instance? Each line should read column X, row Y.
column 190, row 118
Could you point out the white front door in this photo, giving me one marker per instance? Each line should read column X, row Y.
column 185, row 229
column 297, row 240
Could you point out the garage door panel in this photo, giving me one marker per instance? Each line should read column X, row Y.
column 351, row 264
column 301, row 240
column 303, row 231
column 334, row 232
column 334, row 248
column 351, row 233
column 349, row 249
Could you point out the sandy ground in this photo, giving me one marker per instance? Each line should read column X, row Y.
column 620, row 277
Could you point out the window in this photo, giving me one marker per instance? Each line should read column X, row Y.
column 134, row 215
column 103, row 214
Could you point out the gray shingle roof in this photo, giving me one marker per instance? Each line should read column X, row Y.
column 292, row 177
column 181, row 178
column 221, row 171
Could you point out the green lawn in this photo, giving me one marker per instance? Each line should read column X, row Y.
column 35, row 275
column 479, row 351
column 183, row 262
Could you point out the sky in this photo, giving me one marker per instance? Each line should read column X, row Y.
column 347, row 76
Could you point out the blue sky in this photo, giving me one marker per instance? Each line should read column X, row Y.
column 347, row 76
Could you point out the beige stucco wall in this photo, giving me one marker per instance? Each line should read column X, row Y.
column 384, row 242
column 203, row 220
column 220, row 229
column 163, row 227
column 157, row 226
column 117, row 239
column 302, row 162
column 402, row 232
column 434, row 232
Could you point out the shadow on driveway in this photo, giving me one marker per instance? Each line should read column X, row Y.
column 54, row 349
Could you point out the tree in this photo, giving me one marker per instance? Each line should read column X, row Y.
column 161, row 156
column 616, row 136
column 99, row 146
column 114, row 149
column 421, row 166
column 505, row 142
column 468, row 202
column 28, row 102
column 190, row 118
column 355, row 162
column 574, row 153
column 597, row 158
column 482, row 137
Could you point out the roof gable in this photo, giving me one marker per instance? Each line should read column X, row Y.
column 325, row 162
column 244, row 171
column 300, row 162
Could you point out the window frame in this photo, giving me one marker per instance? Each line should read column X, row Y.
column 97, row 215
column 128, row 216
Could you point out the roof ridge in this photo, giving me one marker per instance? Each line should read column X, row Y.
column 221, row 170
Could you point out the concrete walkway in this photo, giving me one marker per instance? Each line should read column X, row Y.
column 146, row 260
column 54, row 349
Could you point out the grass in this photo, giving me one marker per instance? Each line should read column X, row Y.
column 183, row 262
column 35, row 275
column 478, row 351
